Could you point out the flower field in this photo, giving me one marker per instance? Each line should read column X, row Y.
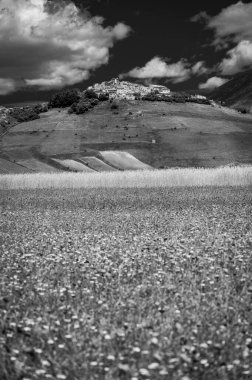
column 135, row 284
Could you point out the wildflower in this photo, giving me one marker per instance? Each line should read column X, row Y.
column 163, row 372
column 144, row 372
column 45, row 363
column 61, row 376
column 111, row 357
column 154, row 341
column 38, row 350
column 136, row 350
column 40, row 372
column 153, row 365
column 124, row 367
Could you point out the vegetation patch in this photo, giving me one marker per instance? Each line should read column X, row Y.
column 126, row 284
column 22, row 114
column 191, row 177
column 64, row 98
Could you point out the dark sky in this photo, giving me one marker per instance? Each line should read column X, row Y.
column 158, row 28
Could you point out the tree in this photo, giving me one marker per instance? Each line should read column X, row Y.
column 103, row 97
column 24, row 114
column 83, row 106
column 64, row 98
column 90, row 94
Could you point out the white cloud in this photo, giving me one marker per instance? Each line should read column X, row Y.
column 158, row 68
column 199, row 68
column 212, row 83
column 233, row 23
column 238, row 59
column 52, row 50
column 175, row 72
column 7, row 86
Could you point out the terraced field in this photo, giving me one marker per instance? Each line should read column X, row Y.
column 126, row 284
column 74, row 165
column 37, row 166
column 123, row 160
column 7, row 167
column 97, row 164
column 43, row 164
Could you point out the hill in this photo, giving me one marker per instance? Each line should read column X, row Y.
column 159, row 134
column 237, row 92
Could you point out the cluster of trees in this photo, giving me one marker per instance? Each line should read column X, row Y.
column 64, row 98
column 78, row 102
column 23, row 114
column 243, row 109
column 40, row 108
column 174, row 98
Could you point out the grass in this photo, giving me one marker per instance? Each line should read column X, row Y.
column 126, row 284
column 226, row 176
column 185, row 134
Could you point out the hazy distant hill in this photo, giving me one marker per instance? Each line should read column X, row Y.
column 237, row 92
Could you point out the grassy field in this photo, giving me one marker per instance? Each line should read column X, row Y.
column 184, row 134
column 126, row 284
column 225, row 176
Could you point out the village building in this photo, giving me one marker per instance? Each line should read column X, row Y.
column 117, row 89
column 201, row 97
column 162, row 90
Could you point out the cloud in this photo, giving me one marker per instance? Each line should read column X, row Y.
column 199, row 68
column 212, row 83
column 158, row 68
column 175, row 72
column 231, row 24
column 200, row 17
column 52, row 49
column 7, row 86
column 239, row 58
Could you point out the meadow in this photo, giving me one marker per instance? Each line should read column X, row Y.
column 222, row 176
column 125, row 283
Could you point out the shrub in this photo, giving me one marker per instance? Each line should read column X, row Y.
column 179, row 99
column 114, row 106
column 90, row 94
column 73, row 108
column 83, row 106
column 24, row 114
column 137, row 95
column 242, row 109
column 150, row 97
column 103, row 97
column 39, row 108
column 64, row 98
column 94, row 102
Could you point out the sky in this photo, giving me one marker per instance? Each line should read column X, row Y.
column 49, row 45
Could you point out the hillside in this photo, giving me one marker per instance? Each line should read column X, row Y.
column 237, row 92
column 158, row 134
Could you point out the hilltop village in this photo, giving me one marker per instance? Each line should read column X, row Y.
column 123, row 90
column 118, row 90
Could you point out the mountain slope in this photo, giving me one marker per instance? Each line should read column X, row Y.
column 237, row 92
column 159, row 134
